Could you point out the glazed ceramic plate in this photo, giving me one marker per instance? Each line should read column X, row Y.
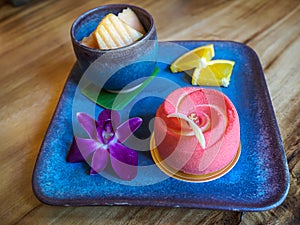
column 258, row 181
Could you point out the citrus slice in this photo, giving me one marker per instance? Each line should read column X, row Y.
column 190, row 60
column 197, row 130
column 216, row 73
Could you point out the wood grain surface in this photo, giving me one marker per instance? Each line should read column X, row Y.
column 36, row 56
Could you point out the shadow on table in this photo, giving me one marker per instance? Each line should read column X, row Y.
column 18, row 2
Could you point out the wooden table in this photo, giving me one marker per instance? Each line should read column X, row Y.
column 36, row 56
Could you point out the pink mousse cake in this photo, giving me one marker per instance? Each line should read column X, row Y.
column 175, row 138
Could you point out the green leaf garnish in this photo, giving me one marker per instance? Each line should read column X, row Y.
column 114, row 101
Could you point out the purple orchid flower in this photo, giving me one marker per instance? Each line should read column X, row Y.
column 105, row 142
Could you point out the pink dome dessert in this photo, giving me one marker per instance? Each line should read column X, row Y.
column 184, row 147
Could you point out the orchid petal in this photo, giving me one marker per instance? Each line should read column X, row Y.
column 102, row 132
column 127, row 128
column 88, row 124
column 115, row 119
column 103, row 117
column 107, row 118
column 99, row 133
column 74, row 154
column 87, row 146
column 123, row 160
column 92, row 172
column 99, row 160
column 106, row 115
column 106, row 134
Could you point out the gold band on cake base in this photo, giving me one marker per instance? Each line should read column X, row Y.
column 185, row 176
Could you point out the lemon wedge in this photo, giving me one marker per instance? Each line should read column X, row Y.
column 213, row 73
column 190, row 60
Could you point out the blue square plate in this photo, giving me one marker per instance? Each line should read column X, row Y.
column 259, row 180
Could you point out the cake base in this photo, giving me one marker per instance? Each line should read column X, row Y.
column 185, row 176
